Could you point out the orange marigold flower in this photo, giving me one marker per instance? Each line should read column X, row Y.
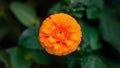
column 60, row 34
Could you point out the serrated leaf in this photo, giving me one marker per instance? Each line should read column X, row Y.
column 25, row 13
column 29, row 38
column 17, row 59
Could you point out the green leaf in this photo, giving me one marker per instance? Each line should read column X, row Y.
column 73, row 64
column 116, row 5
column 110, row 27
column 90, row 36
column 4, row 57
column 73, row 61
column 93, row 39
column 56, row 8
column 93, row 9
column 38, row 56
column 92, row 12
column 17, row 58
column 85, row 48
column 3, row 31
column 89, row 3
column 41, row 57
column 77, row 15
column 25, row 13
column 109, row 62
column 75, row 9
column 29, row 38
column 92, row 62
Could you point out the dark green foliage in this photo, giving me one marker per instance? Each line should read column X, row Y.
column 20, row 21
column 29, row 38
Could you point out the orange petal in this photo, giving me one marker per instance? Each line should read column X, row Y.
column 71, row 33
column 69, row 42
column 45, row 30
column 75, row 36
column 56, row 46
column 49, row 50
column 51, row 39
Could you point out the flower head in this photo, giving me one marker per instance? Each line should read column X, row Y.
column 60, row 34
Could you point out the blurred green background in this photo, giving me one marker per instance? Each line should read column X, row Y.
column 20, row 21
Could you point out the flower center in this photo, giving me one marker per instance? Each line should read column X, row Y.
column 60, row 32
